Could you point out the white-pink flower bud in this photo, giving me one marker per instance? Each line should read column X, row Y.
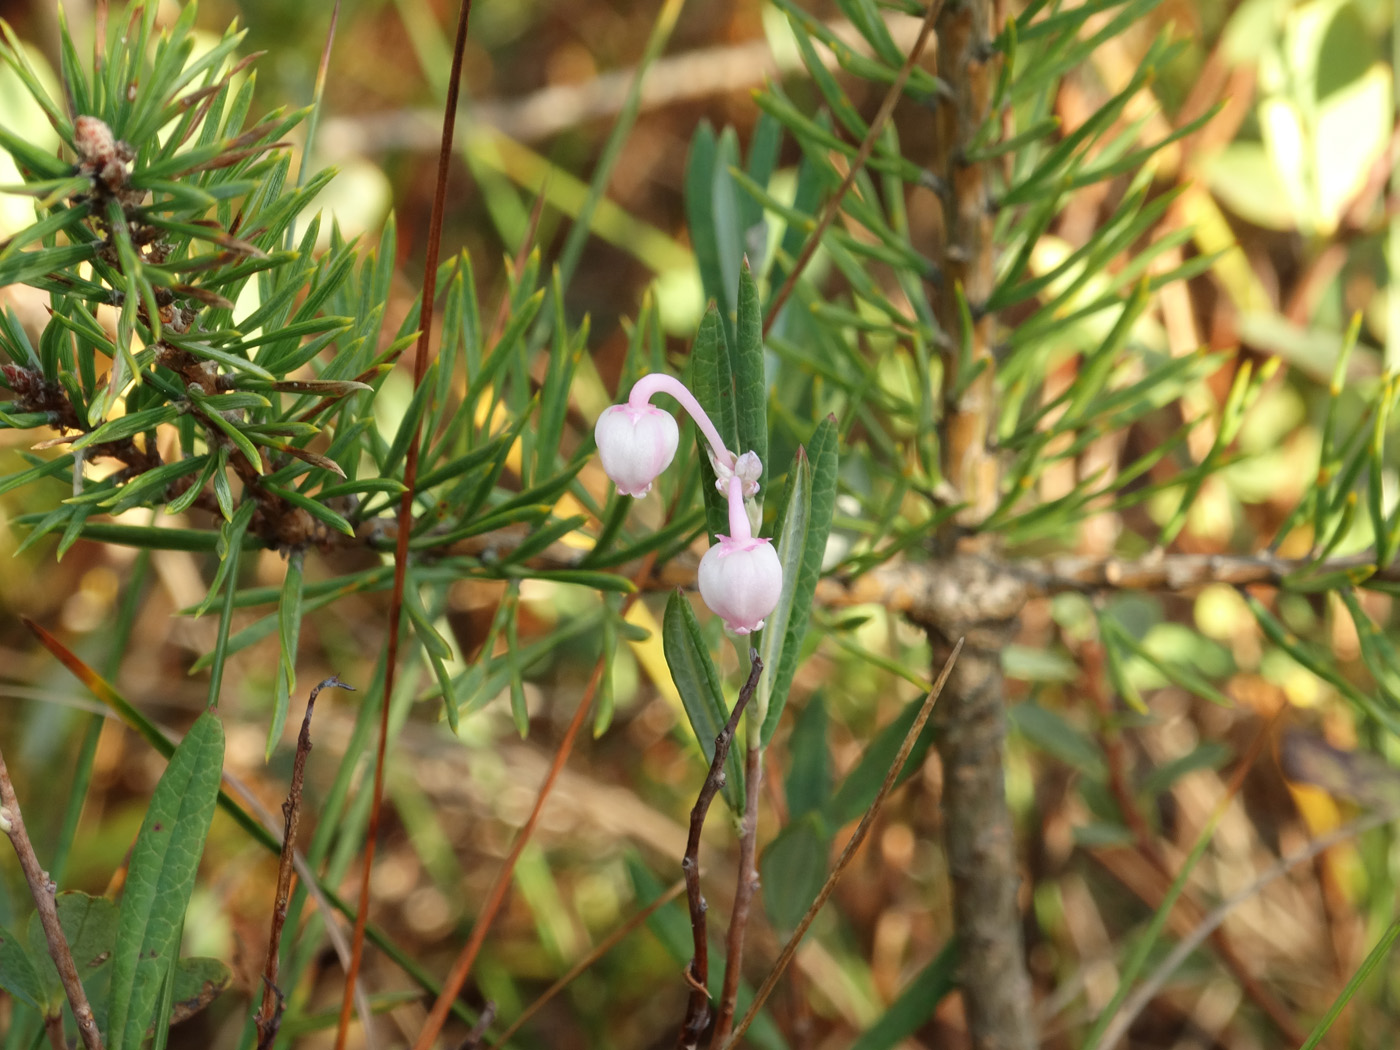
column 740, row 577
column 636, row 443
column 741, row 582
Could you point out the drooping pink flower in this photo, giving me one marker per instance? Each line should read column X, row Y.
column 636, row 443
column 637, row 440
column 740, row 577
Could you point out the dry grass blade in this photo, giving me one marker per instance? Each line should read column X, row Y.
column 437, row 1017
column 410, row 477
column 1138, row 1000
column 862, row 829
column 606, row 945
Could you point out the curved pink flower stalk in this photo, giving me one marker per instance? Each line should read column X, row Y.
column 661, row 383
column 740, row 576
column 637, row 440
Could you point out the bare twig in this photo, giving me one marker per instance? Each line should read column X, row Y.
column 1232, row 788
column 908, row 586
column 862, row 829
column 478, row 1032
column 340, row 943
column 270, row 1014
column 42, row 890
column 697, row 974
column 745, row 886
column 608, row 943
column 726, row 69
column 410, row 479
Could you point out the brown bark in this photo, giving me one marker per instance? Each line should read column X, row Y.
column 978, row 602
column 974, row 597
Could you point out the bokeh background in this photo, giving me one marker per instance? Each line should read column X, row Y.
column 1292, row 184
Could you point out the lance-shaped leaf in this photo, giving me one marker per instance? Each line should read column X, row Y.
column 750, row 382
column 161, row 878
column 712, row 382
column 915, row 1005
column 18, row 974
column 698, row 683
column 801, row 546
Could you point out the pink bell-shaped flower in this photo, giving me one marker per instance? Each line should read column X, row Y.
column 636, row 442
column 740, row 577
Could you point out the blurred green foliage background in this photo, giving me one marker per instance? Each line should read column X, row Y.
column 1291, row 193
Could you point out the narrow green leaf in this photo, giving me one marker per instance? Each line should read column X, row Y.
column 1049, row 731
column 855, row 794
column 915, row 1005
column 809, row 773
column 128, row 426
column 1374, row 958
column 289, row 615
column 801, row 547
column 160, row 879
column 519, row 713
column 711, row 382
column 408, row 425
column 793, row 868
column 750, row 382
column 314, row 507
column 698, row 683
column 240, row 440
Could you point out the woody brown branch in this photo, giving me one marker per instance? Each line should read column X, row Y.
column 42, row 891
column 977, row 827
column 697, row 973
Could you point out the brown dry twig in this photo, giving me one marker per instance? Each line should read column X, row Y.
column 853, row 844
column 410, row 481
column 42, row 890
column 697, row 974
column 1092, row 662
column 606, row 945
column 270, row 1014
column 745, row 886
